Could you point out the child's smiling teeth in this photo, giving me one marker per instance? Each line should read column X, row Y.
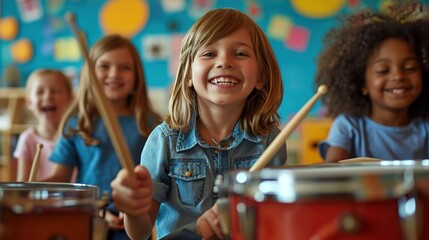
column 224, row 81
column 113, row 84
column 397, row 90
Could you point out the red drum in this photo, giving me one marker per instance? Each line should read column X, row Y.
column 36, row 210
column 384, row 200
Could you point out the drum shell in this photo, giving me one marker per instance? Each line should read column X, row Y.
column 306, row 216
column 48, row 210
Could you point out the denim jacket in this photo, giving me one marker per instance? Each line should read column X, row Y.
column 184, row 168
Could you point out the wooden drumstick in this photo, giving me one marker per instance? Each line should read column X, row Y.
column 103, row 104
column 35, row 164
column 287, row 130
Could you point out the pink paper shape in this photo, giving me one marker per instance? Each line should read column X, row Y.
column 298, row 39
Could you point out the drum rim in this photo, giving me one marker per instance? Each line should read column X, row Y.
column 49, row 185
column 302, row 182
column 32, row 196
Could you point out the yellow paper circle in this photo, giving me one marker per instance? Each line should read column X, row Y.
column 124, row 17
column 317, row 8
column 22, row 51
column 8, row 28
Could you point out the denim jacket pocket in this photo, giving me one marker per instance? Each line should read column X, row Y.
column 189, row 176
column 245, row 162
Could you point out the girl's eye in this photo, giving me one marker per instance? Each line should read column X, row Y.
column 241, row 53
column 410, row 69
column 208, row 54
column 381, row 71
column 127, row 68
column 102, row 66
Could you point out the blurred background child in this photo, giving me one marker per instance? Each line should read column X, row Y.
column 49, row 93
column 376, row 65
column 85, row 143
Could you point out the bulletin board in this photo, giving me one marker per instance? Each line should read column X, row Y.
column 34, row 34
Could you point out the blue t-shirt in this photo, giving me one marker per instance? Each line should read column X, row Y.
column 362, row 137
column 183, row 169
column 97, row 164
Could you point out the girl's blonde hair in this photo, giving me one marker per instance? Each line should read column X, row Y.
column 259, row 115
column 60, row 76
column 85, row 102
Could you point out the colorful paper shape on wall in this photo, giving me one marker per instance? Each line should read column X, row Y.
column 171, row 6
column 200, row 7
column 354, row 3
column 159, row 98
column 176, row 41
column 254, row 10
column 48, row 47
column 30, row 10
column 54, row 6
column 22, row 51
column 8, row 28
column 279, row 27
column 66, row 49
column 124, row 17
column 298, row 39
column 156, row 47
column 73, row 73
column 317, row 8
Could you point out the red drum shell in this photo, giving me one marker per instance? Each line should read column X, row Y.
column 386, row 200
column 36, row 210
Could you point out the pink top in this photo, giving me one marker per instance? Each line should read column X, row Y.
column 26, row 150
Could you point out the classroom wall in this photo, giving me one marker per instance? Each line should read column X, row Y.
column 34, row 34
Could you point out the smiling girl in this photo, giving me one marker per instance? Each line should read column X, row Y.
column 377, row 68
column 223, row 115
column 85, row 143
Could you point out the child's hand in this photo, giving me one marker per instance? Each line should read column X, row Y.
column 115, row 222
column 208, row 225
column 132, row 195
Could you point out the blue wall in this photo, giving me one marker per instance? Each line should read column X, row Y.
column 297, row 66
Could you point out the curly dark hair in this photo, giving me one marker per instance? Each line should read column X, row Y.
column 342, row 63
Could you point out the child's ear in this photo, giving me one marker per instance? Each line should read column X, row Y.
column 364, row 91
column 259, row 85
column 28, row 103
column 190, row 83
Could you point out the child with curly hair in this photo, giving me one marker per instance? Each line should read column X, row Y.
column 377, row 68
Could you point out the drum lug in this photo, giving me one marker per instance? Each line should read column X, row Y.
column 349, row 223
column 100, row 228
column 224, row 216
column 246, row 220
column 409, row 212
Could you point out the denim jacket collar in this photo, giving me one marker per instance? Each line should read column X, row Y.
column 188, row 140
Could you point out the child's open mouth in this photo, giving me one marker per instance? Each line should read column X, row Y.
column 224, row 81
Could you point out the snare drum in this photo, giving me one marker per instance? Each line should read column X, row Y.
column 385, row 200
column 36, row 210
